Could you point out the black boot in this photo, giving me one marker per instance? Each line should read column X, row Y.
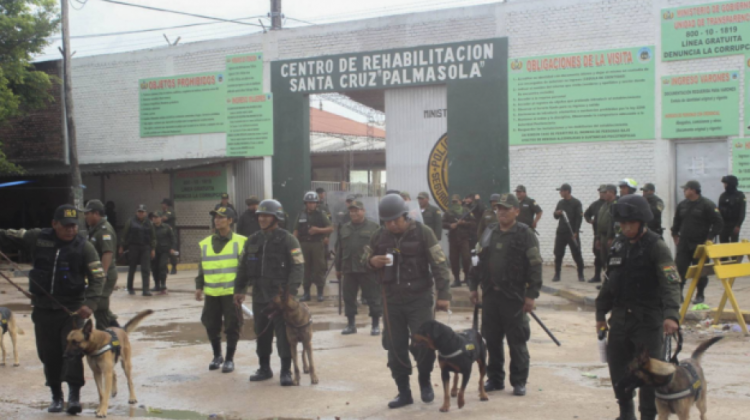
column 145, row 288
column 580, row 275
column 597, row 275
column 404, row 394
column 74, row 400
column 351, row 328
column 375, row 326
column 493, row 385
column 174, row 270
column 131, row 290
column 285, row 377
column 456, row 281
column 306, row 296
column 229, row 362
column 56, row 406
column 218, row 360
column 425, row 388
column 627, row 410
column 700, row 297
column 556, row 277
column 264, row 371
column 320, row 294
column 156, row 285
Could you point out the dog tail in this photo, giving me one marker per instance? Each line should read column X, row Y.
column 133, row 323
column 703, row 347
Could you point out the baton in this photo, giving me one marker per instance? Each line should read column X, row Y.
column 567, row 222
column 544, row 327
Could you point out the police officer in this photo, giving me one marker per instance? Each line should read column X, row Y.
column 642, row 293
column 510, row 273
column 732, row 205
column 343, row 215
column 139, row 238
column 102, row 235
column 657, row 206
column 62, row 262
column 353, row 237
column 248, row 223
column 272, row 260
column 462, row 227
column 489, row 216
column 605, row 224
column 564, row 237
column 168, row 216
column 322, row 202
column 220, row 259
column 431, row 215
column 403, row 254
column 696, row 220
column 628, row 186
column 225, row 204
column 529, row 211
column 312, row 228
column 590, row 216
column 165, row 247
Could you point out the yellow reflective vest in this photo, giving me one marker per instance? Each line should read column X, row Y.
column 220, row 270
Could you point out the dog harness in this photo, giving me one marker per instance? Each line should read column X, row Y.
column 4, row 318
column 113, row 345
column 694, row 389
column 468, row 339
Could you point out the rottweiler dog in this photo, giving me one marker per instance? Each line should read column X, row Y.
column 678, row 386
column 8, row 325
column 457, row 353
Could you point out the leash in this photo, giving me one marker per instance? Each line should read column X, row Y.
column 71, row 313
column 238, row 310
column 668, row 356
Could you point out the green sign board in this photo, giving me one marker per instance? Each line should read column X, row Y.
column 250, row 125
column 584, row 97
column 200, row 184
column 700, row 105
column 186, row 104
column 245, row 74
column 705, row 30
column 741, row 163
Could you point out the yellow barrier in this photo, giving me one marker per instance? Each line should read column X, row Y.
column 726, row 272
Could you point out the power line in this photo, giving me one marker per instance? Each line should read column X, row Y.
column 156, row 9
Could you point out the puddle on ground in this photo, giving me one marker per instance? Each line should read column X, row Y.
column 19, row 308
column 566, row 306
column 191, row 333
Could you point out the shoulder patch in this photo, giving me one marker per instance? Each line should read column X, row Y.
column 437, row 253
column 670, row 272
column 106, row 237
column 716, row 209
column 297, row 257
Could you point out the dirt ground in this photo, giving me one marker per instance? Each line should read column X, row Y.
column 171, row 356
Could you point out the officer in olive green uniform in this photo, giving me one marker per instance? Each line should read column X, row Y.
column 403, row 254
column 642, row 293
column 510, row 273
column 590, row 216
column 139, row 238
column 732, row 205
column 489, row 216
column 461, row 226
column 248, row 223
column 431, row 215
column 102, row 235
column 529, row 211
column 312, row 228
column 51, row 250
column 605, row 224
column 657, row 206
column 165, row 247
column 169, row 217
column 696, row 220
column 353, row 237
column 568, row 230
column 272, row 260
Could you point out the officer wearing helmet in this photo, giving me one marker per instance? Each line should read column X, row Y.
column 402, row 254
column 642, row 293
column 431, row 215
column 628, row 186
column 489, row 216
column 312, row 229
column 271, row 260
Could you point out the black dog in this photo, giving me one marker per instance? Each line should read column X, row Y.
column 457, row 353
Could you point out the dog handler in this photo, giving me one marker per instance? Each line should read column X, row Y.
column 642, row 291
column 403, row 253
column 272, row 259
column 220, row 259
column 63, row 260
column 510, row 273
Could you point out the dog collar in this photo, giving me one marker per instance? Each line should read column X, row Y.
column 103, row 350
column 694, row 388
column 113, row 345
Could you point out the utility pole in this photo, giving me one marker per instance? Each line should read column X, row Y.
column 275, row 15
column 76, row 191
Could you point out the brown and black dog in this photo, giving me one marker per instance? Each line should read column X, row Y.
column 8, row 325
column 298, row 330
column 102, row 349
column 678, row 387
column 457, row 352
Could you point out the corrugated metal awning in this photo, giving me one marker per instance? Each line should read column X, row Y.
column 333, row 143
column 124, row 167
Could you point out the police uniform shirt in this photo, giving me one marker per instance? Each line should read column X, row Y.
column 696, row 221
column 263, row 288
column 104, row 238
column 528, row 209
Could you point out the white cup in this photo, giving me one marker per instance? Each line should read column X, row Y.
column 390, row 260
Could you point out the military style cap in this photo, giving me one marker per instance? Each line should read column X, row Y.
column 565, row 187
column 141, row 207
column 151, row 215
column 357, row 205
column 66, row 215
column 350, row 198
column 94, row 205
column 495, row 197
column 455, row 197
column 252, row 200
column 469, row 195
column 648, row 187
column 405, row 195
column 520, row 188
column 602, row 188
column 611, row 187
column 167, row 201
column 224, row 195
column 693, row 185
column 507, row 201
column 223, row 212
column 423, row 195
column 320, row 190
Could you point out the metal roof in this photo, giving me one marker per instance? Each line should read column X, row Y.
column 123, row 167
column 335, row 143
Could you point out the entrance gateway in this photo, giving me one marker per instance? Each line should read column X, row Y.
column 474, row 74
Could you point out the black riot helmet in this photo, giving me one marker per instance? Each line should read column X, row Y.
column 391, row 207
column 632, row 208
column 272, row 208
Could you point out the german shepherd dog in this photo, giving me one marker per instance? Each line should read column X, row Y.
column 457, row 353
column 678, row 387
column 8, row 324
column 102, row 349
column 298, row 330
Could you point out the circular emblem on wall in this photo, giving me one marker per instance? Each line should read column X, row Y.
column 437, row 173
column 645, row 54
